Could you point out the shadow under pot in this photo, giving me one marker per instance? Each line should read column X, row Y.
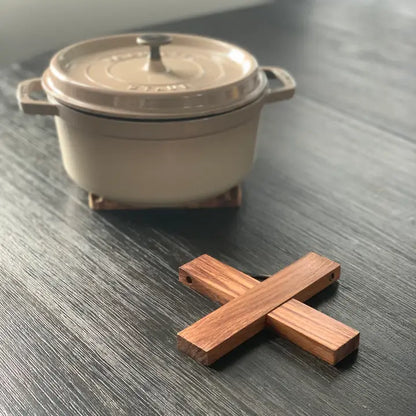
column 155, row 119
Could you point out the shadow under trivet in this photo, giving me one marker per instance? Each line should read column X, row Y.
column 229, row 199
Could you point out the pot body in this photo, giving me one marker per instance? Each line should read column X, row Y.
column 158, row 163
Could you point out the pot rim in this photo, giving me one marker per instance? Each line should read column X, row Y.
column 156, row 130
column 30, row 105
column 98, row 115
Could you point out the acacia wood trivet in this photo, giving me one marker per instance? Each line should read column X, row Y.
column 230, row 199
column 252, row 305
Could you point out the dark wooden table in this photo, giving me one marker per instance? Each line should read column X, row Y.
column 90, row 302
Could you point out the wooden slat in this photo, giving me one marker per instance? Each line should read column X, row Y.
column 222, row 330
column 313, row 331
column 229, row 199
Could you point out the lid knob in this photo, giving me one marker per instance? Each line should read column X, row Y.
column 154, row 41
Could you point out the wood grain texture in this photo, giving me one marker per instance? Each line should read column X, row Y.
column 230, row 199
column 90, row 302
column 311, row 330
column 218, row 333
column 314, row 331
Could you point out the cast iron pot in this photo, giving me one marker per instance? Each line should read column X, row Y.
column 141, row 125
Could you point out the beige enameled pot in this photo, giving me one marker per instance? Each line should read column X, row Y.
column 150, row 125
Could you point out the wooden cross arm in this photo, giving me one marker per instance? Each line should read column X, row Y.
column 315, row 332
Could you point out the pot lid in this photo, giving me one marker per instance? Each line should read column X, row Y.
column 154, row 76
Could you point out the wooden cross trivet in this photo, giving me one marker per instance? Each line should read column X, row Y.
column 276, row 302
column 230, row 199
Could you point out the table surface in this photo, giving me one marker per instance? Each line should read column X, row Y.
column 90, row 302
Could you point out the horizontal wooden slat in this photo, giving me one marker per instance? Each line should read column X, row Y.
column 229, row 199
column 314, row 331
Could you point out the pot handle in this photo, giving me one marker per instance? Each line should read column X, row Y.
column 31, row 106
column 281, row 93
